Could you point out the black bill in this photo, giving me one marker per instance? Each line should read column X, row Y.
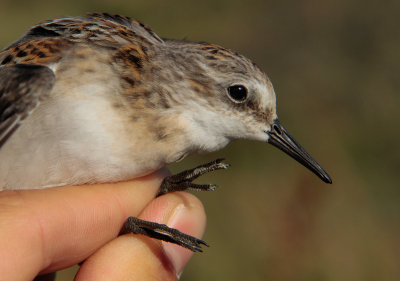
column 279, row 137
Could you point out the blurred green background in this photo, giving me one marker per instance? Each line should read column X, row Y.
column 335, row 69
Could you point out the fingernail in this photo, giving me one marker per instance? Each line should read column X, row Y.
column 179, row 256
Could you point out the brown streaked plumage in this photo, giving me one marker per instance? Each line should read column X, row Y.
column 102, row 98
column 143, row 78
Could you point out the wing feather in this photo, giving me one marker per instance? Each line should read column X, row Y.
column 22, row 87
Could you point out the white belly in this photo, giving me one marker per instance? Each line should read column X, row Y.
column 65, row 142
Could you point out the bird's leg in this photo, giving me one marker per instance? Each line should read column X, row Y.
column 162, row 232
column 183, row 180
column 178, row 182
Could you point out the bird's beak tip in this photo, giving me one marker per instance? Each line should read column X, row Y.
column 280, row 138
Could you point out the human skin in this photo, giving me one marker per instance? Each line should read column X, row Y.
column 47, row 230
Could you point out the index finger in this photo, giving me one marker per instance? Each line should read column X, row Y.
column 50, row 229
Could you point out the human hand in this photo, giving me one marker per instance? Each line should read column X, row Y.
column 47, row 230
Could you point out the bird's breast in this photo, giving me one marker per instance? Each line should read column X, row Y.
column 79, row 135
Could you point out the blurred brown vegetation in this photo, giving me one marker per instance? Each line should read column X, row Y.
column 335, row 68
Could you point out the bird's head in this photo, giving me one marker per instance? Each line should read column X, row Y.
column 225, row 96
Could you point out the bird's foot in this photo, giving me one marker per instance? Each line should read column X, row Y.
column 183, row 180
column 178, row 182
column 162, row 232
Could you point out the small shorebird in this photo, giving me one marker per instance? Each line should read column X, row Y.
column 102, row 98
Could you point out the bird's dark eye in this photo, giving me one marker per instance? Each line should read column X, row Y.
column 238, row 93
